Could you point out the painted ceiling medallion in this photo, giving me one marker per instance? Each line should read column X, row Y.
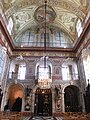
column 40, row 14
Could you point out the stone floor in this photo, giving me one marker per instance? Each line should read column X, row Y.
column 26, row 118
column 42, row 118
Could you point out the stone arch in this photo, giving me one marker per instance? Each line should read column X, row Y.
column 33, row 96
column 15, row 91
column 16, row 63
column 41, row 62
column 63, row 92
column 86, row 63
column 71, row 99
column 70, row 68
column 70, row 83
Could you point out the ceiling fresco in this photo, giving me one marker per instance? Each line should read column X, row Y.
column 62, row 13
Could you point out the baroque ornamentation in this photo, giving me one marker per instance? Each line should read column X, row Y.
column 40, row 14
column 68, row 19
column 58, row 97
column 62, row 4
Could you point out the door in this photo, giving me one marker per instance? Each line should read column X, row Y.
column 71, row 98
column 43, row 103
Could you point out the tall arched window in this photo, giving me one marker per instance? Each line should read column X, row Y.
column 43, row 73
column 57, row 38
column 17, row 70
column 79, row 27
column 65, row 73
column 63, row 40
column 26, row 39
column 10, row 25
column 2, row 58
column 69, row 70
column 42, row 36
column 21, row 72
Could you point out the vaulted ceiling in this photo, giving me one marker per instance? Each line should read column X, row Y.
column 67, row 12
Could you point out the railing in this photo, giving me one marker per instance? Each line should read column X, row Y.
column 65, row 77
column 73, row 109
column 41, row 44
column 43, row 74
column 73, row 76
column 16, row 76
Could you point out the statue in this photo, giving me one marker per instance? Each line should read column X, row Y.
column 58, row 97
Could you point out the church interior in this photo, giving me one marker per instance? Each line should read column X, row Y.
column 44, row 59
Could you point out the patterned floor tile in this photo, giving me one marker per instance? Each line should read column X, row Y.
column 26, row 118
column 42, row 118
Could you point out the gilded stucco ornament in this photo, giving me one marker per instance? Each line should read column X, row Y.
column 39, row 14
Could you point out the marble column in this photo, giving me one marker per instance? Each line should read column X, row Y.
column 70, row 73
column 53, row 102
column 33, row 102
column 63, row 104
column 23, row 104
column 82, row 102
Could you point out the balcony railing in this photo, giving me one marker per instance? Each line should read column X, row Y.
column 65, row 77
column 16, row 76
column 73, row 76
column 73, row 108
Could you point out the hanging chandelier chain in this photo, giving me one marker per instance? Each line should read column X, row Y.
column 45, row 27
column 45, row 35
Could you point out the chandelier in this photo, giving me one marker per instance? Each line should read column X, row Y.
column 45, row 15
column 45, row 60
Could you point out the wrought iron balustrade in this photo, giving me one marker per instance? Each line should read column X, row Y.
column 73, row 76
column 16, row 76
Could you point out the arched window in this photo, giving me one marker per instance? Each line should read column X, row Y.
column 30, row 38
column 26, row 39
column 17, row 70
column 79, row 27
column 2, row 58
column 65, row 73
column 63, row 40
column 42, row 36
column 10, row 25
column 43, row 73
column 69, row 70
column 21, row 72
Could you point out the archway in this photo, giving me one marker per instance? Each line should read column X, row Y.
column 86, row 63
column 69, row 70
column 17, row 68
column 71, row 99
column 16, row 94
column 43, row 102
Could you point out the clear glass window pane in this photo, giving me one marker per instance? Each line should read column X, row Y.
column 21, row 72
